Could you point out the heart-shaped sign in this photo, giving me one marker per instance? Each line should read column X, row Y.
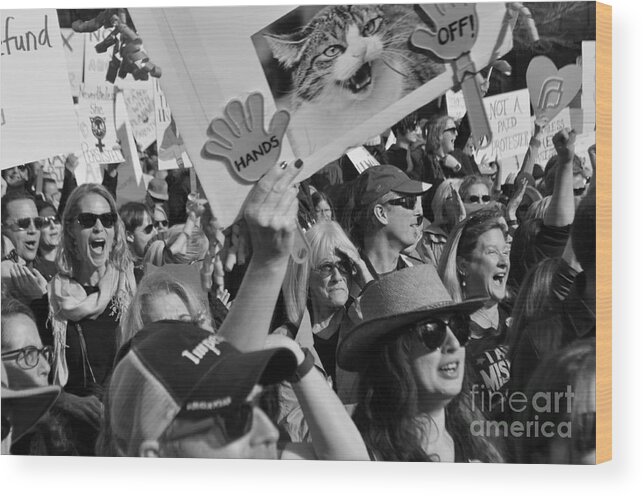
column 551, row 89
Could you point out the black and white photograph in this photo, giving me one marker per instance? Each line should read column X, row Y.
column 372, row 236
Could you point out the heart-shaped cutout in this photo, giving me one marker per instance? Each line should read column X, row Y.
column 551, row 89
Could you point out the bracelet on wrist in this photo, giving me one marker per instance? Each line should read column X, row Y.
column 304, row 367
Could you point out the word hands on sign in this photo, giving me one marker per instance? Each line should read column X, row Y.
column 242, row 141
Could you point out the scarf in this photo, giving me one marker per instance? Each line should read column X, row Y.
column 69, row 301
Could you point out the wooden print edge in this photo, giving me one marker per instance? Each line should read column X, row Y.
column 604, row 233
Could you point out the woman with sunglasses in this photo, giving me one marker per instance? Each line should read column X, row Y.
column 87, row 299
column 475, row 263
column 475, row 192
column 409, row 352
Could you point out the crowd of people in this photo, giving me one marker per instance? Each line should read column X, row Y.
column 439, row 315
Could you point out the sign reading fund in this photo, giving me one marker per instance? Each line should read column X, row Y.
column 36, row 111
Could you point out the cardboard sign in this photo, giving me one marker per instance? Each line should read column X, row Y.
column 171, row 149
column 547, row 150
column 54, row 167
column 588, row 94
column 126, row 137
column 74, row 48
column 510, row 122
column 211, row 56
column 86, row 172
column 139, row 101
column 36, row 111
column 551, row 90
column 96, row 122
column 361, row 159
column 456, row 107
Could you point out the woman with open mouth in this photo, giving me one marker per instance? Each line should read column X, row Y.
column 475, row 263
column 409, row 351
column 92, row 290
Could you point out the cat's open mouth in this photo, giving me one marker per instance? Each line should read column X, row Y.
column 360, row 80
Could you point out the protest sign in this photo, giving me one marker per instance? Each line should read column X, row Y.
column 96, row 122
column 36, row 110
column 176, row 39
column 588, row 93
column 508, row 115
column 455, row 104
column 126, row 137
column 139, row 101
column 172, row 153
column 361, row 159
column 547, row 150
column 54, row 168
column 74, row 48
column 551, row 89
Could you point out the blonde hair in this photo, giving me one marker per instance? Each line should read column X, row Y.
column 156, row 283
column 324, row 238
column 66, row 260
column 442, row 193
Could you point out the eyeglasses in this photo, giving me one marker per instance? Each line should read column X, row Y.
column 50, row 220
column 451, row 130
column 479, row 199
column 433, row 332
column 407, row 202
column 88, row 220
column 24, row 223
column 344, row 267
column 161, row 223
column 231, row 422
column 28, row 357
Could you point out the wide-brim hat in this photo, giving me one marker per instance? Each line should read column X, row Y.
column 390, row 304
column 24, row 407
column 157, row 189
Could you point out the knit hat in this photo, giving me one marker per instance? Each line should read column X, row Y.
column 174, row 368
column 393, row 302
column 376, row 181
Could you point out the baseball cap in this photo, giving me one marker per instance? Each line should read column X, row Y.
column 376, row 181
column 176, row 369
column 24, row 407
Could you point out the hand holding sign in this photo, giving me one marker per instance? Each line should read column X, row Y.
column 452, row 33
column 241, row 140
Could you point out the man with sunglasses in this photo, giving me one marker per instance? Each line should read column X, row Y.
column 21, row 226
column 50, row 235
column 389, row 218
column 181, row 391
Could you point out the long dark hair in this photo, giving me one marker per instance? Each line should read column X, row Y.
column 387, row 411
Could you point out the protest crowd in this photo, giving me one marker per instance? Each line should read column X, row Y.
column 444, row 311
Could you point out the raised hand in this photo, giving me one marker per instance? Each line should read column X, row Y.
column 242, row 141
column 29, row 283
column 516, row 199
column 454, row 30
column 564, row 143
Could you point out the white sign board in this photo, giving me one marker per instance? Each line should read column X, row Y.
column 547, row 150
column 139, row 101
column 455, row 104
column 361, row 158
column 36, row 108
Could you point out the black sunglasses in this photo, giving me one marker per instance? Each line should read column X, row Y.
column 161, row 223
column 433, row 332
column 24, row 223
column 407, row 202
column 477, row 199
column 232, row 422
column 28, row 357
column 88, row 220
column 49, row 220
column 345, row 267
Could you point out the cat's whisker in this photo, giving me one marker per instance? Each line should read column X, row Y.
column 383, row 59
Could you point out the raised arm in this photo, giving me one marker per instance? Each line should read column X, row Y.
column 561, row 208
column 334, row 435
column 532, row 152
column 271, row 217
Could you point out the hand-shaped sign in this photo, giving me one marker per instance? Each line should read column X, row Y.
column 551, row 89
column 241, row 140
column 453, row 32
